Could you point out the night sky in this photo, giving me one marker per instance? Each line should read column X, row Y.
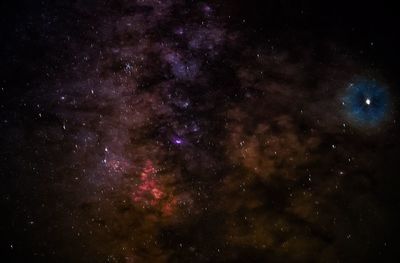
column 199, row 131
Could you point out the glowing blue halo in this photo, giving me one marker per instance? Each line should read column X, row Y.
column 366, row 103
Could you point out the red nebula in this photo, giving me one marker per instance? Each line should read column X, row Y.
column 150, row 192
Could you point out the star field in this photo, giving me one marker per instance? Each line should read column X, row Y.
column 196, row 131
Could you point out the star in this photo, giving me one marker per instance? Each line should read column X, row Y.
column 366, row 103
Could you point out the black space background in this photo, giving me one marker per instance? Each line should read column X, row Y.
column 32, row 31
column 31, row 47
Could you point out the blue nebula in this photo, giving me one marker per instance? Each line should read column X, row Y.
column 183, row 68
column 366, row 103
